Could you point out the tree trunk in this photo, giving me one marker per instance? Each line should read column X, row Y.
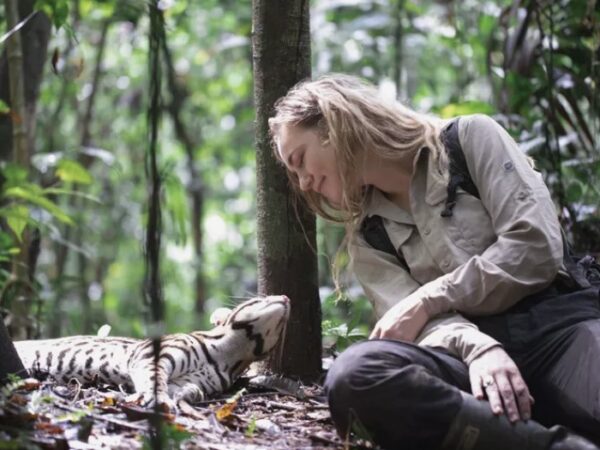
column 33, row 44
column 18, row 115
column 34, row 36
column 287, row 260
column 10, row 363
column 26, row 50
column 398, row 47
column 17, row 129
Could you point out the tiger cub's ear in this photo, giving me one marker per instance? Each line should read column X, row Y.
column 219, row 316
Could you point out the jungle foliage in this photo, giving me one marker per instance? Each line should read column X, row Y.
column 81, row 199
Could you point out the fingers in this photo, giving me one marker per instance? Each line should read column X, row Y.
column 376, row 333
column 476, row 385
column 524, row 398
column 493, row 395
column 506, row 393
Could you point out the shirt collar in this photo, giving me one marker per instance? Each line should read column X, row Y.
column 435, row 191
column 377, row 204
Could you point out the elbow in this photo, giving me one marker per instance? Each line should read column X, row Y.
column 556, row 260
column 549, row 266
column 551, row 237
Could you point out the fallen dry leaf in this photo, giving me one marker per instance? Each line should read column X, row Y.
column 225, row 411
column 49, row 428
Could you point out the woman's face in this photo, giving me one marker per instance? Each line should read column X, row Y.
column 314, row 162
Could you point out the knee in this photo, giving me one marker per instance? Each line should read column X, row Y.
column 377, row 388
column 368, row 372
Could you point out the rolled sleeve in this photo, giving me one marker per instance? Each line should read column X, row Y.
column 457, row 335
column 527, row 253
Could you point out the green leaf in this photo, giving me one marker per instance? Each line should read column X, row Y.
column 69, row 170
column 14, row 174
column 4, row 108
column 62, row 191
column 466, row 108
column 34, row 197
column 251, row 429
column 17, row 217
column 56, row 10
column 73, row 416
column 575, row 190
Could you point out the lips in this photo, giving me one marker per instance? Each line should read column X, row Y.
column 320, row 186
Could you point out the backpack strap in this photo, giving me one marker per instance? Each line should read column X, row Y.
column 375, row 234
column 372, row 227
column 458, row 171
column 583, row 272
column 459, row 176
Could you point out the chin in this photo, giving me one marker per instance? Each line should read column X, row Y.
column 334, row 200
column 336, row 203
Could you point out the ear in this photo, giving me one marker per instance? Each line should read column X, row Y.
column 219, row 316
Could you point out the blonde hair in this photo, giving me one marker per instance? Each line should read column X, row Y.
column 350, row 115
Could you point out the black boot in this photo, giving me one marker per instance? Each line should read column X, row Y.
column 566, row 440
column 477, row 428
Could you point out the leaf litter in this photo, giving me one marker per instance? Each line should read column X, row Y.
column 265, row 412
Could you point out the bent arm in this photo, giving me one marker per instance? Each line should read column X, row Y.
column 527, row 253
column 386, row 283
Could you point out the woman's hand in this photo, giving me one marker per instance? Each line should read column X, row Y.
column 494, row 375
column 402, row 322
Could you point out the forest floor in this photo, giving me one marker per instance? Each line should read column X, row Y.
column 272, row 415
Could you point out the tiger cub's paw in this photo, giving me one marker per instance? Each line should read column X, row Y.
column 189, row 392
column 147, row 400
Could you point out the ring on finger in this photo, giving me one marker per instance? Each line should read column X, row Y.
column 487, row 382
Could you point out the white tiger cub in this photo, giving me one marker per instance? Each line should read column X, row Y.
column 191, row 366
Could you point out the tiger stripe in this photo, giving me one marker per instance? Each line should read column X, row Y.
column 193, row 365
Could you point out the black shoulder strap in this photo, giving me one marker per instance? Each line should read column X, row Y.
column 372, row 227
column 375, row 234
column 458, row 171
column 460, row 177
column 580, row 270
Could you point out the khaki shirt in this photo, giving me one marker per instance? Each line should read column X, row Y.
column 483, row 259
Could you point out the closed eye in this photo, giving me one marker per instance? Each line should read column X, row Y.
column 301, row 161
column 296, row 158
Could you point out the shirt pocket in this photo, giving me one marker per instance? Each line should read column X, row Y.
column 470, row 226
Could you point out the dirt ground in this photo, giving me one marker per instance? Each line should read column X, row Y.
column 275, row 414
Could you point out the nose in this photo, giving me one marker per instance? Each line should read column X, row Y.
column 305, row 182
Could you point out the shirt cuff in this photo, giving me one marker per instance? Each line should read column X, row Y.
column 457, row 336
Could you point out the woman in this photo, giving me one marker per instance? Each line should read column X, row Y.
column 428, row 377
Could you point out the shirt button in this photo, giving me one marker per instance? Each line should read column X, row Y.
column 445, row 263
column 427, row 231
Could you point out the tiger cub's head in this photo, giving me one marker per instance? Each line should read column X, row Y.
column 261, row 320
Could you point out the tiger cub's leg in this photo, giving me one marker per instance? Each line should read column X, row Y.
column 186, row 388
column 145, row 375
